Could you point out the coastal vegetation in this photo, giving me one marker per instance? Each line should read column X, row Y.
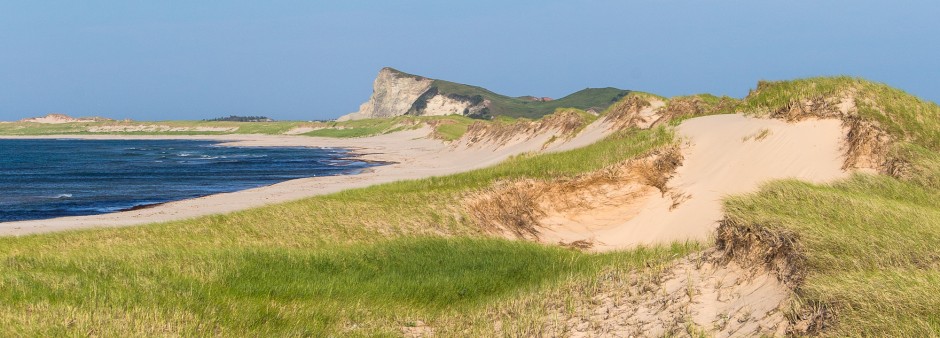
column 862, row 252
column 860, row 255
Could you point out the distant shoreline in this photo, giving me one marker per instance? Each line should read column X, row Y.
column 48, row 178
column 409, row 154
column 386, row 149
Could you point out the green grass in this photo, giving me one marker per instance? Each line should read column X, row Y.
column 359, row 128
column 448, row 128
column 451, row 132
column 359, row 262
column 158, row 287
column 872, row 249
column 870, row 244
column 901, row 114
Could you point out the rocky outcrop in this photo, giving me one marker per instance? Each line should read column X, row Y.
column 395, row 93
column 435, row 103
column 442, row 105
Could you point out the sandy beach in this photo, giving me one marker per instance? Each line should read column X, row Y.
column 411, row 154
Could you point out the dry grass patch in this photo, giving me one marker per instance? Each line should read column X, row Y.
column 566, row 123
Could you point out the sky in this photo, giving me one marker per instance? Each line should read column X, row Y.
column 309, row 60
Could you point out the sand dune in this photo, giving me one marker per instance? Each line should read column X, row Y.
column 723, row 155
column 56, row 119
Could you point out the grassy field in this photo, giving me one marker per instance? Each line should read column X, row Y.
column 361, row 262
column 867, row 249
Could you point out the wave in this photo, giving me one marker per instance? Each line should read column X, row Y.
column 248, row 156
column 61, row 196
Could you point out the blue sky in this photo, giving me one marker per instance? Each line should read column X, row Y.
column 153, row 60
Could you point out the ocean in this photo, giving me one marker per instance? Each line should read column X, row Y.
column 53, row 178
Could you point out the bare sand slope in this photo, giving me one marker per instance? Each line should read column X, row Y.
column 644, row 118
column 414, row 154
column 723, row 155
column 699, row 295
column 591, row 133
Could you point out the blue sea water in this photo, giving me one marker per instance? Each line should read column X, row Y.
column 53, row 178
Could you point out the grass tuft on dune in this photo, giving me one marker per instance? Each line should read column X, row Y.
column 867, row 249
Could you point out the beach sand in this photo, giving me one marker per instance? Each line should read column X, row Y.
column 412, row 154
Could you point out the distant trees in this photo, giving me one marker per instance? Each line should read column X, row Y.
column 236, row 118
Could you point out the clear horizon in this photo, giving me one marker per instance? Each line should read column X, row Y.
column 296, row 60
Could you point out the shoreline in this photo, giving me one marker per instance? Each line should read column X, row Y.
column 409, row 154
column 389, row 151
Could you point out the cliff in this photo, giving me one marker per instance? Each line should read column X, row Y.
column 396, row 93
column 393, row 94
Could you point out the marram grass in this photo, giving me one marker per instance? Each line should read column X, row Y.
column 871, row 243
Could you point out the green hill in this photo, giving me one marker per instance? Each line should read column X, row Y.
column 597, row 99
